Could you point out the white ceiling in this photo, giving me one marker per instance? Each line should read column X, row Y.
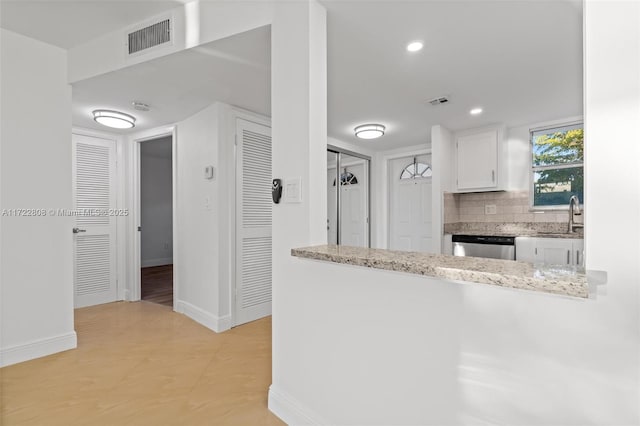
column 235, row 70
column 519, row 60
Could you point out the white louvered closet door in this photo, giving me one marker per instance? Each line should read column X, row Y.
column 94, row 238
column 253, row 222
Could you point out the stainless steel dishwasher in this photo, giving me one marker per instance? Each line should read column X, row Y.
column 484, row 246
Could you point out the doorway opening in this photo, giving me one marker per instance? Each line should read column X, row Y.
column 156, row 220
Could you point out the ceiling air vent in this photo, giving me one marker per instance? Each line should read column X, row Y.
column 439, row 100
column 151, row 36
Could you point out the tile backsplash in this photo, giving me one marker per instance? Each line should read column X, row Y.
column 510, row 206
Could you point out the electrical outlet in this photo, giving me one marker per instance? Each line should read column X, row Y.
column 490, row 209
column 166, row 246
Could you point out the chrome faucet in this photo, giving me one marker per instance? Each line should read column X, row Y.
column 574, row 210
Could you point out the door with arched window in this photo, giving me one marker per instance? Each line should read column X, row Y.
column 347, row 200
column 410, row 193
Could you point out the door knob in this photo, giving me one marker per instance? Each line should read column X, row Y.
column 78, row 230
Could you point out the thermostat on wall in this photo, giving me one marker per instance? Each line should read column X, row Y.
column 209, row 172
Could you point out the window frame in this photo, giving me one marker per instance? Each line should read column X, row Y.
column 533, row 168
column 346, row 182
column 428, row 168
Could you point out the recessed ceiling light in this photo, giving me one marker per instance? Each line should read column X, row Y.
column 414, row 46
column 475, row 111
column 369, row 131
column 114, row 119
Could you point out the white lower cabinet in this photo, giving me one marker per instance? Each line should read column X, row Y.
column 525, row 249
column 447, row 244
column 552, row 251
column 578, row 252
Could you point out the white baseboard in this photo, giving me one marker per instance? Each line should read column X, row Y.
column 290, row 411
column 38, row 348
column 146, row 263
column 212, row 322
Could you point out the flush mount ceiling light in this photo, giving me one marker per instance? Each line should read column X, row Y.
column 114, row 119
column 414, row 46
column 476, row 111
column 369, row 131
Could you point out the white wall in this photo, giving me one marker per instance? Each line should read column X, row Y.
column 443, row 159
column 36, row 295
column 197, row 250
column 299, row 114
column 156, row 202
column 205, row 247
column 426, row 351
column 612, row 156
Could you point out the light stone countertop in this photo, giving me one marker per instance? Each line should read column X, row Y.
column 563, row 280
column 523, row 229
column 520, row 234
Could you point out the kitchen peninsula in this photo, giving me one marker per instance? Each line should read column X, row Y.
column 557, row 279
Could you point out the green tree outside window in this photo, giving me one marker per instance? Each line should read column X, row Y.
column 558, row 171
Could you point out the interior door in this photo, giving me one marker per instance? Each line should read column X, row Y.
column 410, row 201
column 332, row 206
column 253, row 215
column 94, row 188
column 354, row 203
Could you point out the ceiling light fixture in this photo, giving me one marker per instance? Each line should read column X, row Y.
column 369, row 131
column 114, row 119
column 475, row 111
column 414, row 46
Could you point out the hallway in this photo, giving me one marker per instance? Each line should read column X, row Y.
column 142, row 364
column 156, row 285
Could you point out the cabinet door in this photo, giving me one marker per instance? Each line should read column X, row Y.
column 525, row 248
column 477, row 160
column 578, row 252
column 553, row 251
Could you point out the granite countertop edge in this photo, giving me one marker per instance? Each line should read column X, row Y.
column 520, row 234
column 513, row 229
column 559, row 280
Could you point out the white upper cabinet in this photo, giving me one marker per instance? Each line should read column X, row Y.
column 479, row 156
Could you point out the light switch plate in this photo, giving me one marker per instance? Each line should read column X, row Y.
column 490, row 209
column 292, row 190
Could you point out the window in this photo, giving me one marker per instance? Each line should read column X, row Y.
column 557, row 165
column 347, row 178
column 416, row 170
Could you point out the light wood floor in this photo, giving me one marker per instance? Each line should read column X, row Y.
column 156, row 284
column 142, row 364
